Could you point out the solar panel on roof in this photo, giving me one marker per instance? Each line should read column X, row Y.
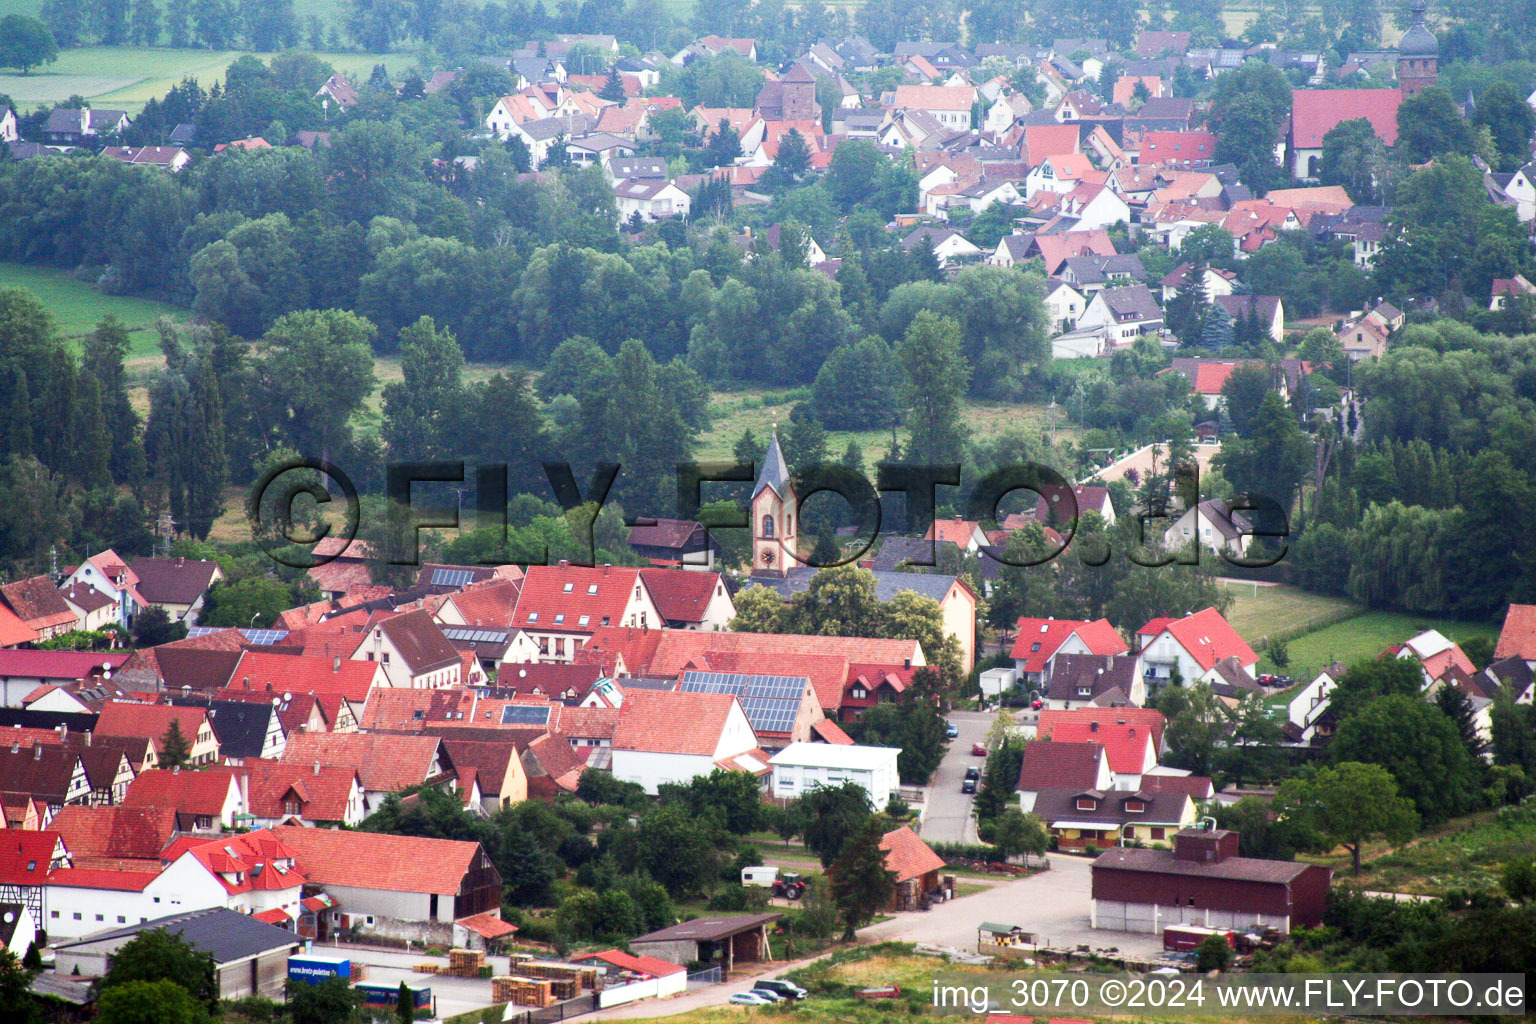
column 474, row 635
column 452, row 577
column 264, row 637
column 525, row 714
column 203, row 630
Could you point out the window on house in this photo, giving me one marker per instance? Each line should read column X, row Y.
column 592, row 588
column 559, row 618
column 567, row 588
column 533, row 616
column 605, row 620
column 583, row 620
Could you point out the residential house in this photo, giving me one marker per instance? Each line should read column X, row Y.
column 177, row 585
column 22, row 672
column 386, row 763
column 166, row 158
column 339, row 91
column 109, row 574
column 93, row 609
column 498, row 767
column 1213, row 525
column 242, row 728
column 1093, row 273
column 1363, row 338
column 209, row 799
column 1437, row 655
column 780, row 708
column 492, row 604
column 1203, row 882
column 650, row 200
column 965, row 534
column 51, row 773
column 412, row 651
column 682, row 542
column 153, row 722
column 666, row 736
column 39, row 605
column 950, row 106
column 1191, row 646
column 1517, row 637
column 949, row 246
column 802, row 767
column 1053, row 764
column 1040, row 641
column 82, row 126
column 1269, row 310
column 1097, row 818
column 562, row 606
column 1506, row 289
column 285, row 792
column 1061, row 172
column 1124, row 314
column 116, row 838
column 1217, row 283
column 8, row 132
column 1078, row 680
column 1305, row 721
column 1177, row 149
column 1131, row 737
column 1063, row 305
column 689, row 600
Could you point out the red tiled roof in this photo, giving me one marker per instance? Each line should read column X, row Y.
column 490, row 604
column 599, row 594
column 649, row 965
column 67, row 665
column 203, row 792
column 174, row 580
column 487, row 926
column 13, row 631
column 1124, row 732
column 1040, row 639
column 957, row 531
column 115, row 838
column 907, row 855
column 149, row 721
column 291, row 673
column 103, row 878
column 1314, row 112
column 37, row 602
column 1053, row 762
column 386, row 762
column 1043, row 140
column 323, row 794
column 1196, row 787
column 665, row 722
column 830, row 732
column 1209, row 638
column 373, row 860
column 254, row 862
column 681, row 595
column 399, row 708
column 25, row 857
column 1517, row 638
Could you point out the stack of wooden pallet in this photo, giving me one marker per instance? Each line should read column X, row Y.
column 522, row 991
column 464, row 963
column 427, row 968
column 565, row 979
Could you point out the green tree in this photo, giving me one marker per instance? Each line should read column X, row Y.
column 1350, row 803
column 149, row 1002
column 613, row 87
column 831, row 814
column 862, row 885
column 856, row 388
column 1243, row 395
column 1421, row 748
column 1430, row 124
column 157, row 955
column 724, row 145
column 1354, row 157
column 1518, row 879
column 175, row 750
column 936, row 378
column 420, row 410
column 1509, row 120
column 1197, row 724
column 1273, row 458
column 319, row 367
column 330, row 1001
column 26, row 43
column 405, row 1007
column 22, row 1007
column 1213, row 954
column 237, row 604
column 1018, row 834
column 153, row 627
column 791, row 162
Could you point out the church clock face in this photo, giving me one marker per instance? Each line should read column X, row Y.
column 767, row 557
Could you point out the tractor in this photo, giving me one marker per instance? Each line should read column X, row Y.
column 789, row 885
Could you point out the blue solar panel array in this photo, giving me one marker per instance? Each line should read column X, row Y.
column 203, row 630
column 770, row 702
column 452, row 577
column 264, row 637
column 470, row 634
column 525, row 714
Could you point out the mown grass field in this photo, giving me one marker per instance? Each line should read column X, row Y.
column 77, row 308
column 757, row 410
column 126, row 77
column 1364, row 637
column 1261, row 611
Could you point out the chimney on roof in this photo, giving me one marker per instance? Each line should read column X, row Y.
column 87, row 737
column 336, row 664
column 317, row 767
column 16, row 745
column 37, row 750
column 176, row 770
column 1093, row 726
column 906, row 662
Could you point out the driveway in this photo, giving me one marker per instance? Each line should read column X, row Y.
column 391, row 967
column 947, row 811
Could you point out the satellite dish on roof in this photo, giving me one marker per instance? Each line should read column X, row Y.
column 287, row 697
column 522, row 673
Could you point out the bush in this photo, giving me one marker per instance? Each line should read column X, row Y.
column 739, row 897
column 1091, row 850
column 1213, row 954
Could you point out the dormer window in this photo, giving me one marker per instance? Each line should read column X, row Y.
column 858, row 693
column 1135, row 806
column 1087, row 803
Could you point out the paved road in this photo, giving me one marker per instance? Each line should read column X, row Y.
column 1053, row 904
column 947, row 812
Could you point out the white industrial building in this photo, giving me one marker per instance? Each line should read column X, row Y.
column 802, row 767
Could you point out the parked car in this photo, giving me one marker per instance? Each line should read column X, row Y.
column 951, row 730
column 968, row 786
column 972, row 772
column 752, row 999
column 781, row 988
column 978, row 750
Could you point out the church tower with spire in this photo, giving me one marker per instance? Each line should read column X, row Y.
column 1418, row 56
column 773, row 516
